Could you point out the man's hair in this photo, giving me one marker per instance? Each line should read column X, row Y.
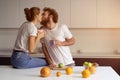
column 52, row 12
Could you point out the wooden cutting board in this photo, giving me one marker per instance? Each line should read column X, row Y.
column 57, row 68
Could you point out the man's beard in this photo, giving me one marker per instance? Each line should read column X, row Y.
column 45, row 22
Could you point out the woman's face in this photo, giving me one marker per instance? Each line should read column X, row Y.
column 39, row 17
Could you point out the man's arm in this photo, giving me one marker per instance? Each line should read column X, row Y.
column 67, row 42
column 47, row 56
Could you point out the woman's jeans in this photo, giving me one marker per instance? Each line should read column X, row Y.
column 22, row 60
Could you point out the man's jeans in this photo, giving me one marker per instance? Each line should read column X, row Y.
column 21, row 59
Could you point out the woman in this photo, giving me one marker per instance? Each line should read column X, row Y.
column 26, row 42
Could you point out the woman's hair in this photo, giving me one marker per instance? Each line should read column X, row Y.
column 52, row 12
column 31, row 13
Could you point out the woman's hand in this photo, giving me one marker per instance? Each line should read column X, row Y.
column 41, row 33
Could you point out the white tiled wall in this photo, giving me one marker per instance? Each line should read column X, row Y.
column 7, row 38
column 96, row 40
column 87, row 40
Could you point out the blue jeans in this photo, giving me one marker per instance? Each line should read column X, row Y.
column 22, row 60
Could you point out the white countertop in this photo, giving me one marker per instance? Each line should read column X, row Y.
column 102, row 73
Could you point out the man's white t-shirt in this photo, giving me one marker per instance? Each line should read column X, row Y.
column 26, row 30
column 58, row 54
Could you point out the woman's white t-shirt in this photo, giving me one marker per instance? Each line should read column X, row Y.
column 58, row 54
column 26, row 30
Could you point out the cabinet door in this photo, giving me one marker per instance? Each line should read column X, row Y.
column 63, row 9
column 29, row 4
column 9, row 13
column 83, row 13
column 108, row 13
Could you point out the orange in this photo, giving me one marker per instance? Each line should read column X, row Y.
column 92, row 69
column 58, row 74
column 86, row 73
column 69, row 70
column 45, row 72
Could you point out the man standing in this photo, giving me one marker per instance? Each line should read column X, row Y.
column 57, row 40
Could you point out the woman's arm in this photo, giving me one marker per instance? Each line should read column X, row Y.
column 33, row 41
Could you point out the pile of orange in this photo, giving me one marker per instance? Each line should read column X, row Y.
column 45, row 71
column 89, row 69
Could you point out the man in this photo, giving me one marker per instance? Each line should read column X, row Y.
column 57, row 40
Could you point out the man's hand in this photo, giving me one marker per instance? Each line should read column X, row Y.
column 67, row 42
column 58, row 43
column 52, row 66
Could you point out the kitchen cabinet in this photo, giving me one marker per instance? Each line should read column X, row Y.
column 108, row 13
column 95, row 14
column 83, row 14
column 9, row 13
column 76, row 14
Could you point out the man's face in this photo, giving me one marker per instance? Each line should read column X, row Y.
column 45, row 18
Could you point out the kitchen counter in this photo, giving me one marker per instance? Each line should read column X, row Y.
column 75, row 55
column 86, row 55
